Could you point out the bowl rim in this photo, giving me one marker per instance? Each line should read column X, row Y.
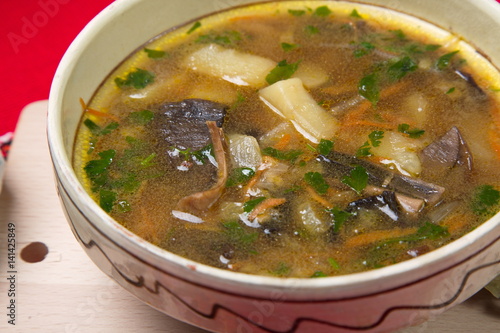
column 162, row 259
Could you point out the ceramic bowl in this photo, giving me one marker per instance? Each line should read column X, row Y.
column 379, row 300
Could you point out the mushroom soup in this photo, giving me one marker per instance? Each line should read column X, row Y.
column 297, row 139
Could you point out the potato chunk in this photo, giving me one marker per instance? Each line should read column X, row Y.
column 290, row 99
column 240, row 68
column 400, row 151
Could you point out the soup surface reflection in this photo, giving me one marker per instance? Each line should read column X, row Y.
column 297, row 139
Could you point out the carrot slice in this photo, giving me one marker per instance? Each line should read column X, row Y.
column 265, row 205
column 283, row 142
column 96, row 113
column 316, row 197
column 376, row 236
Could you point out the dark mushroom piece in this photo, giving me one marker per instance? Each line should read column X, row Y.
column 446, row 152
column 385, row 202
column 410, row 206
column 340, row 164
column 182, row 125
column 202, row 201
column 470, row 80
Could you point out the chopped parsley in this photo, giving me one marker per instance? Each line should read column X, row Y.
column 324, row 147
column 97, row 170
column 155, row 54
column 283, row 155
column 239, row 176
column 241, row 237
column 225, row 38
column 369, row 88
column 98, row 130
column 282, row 270
column 363, row 49
column 339, row 217
column 374, row 140
column 249, row 205
column 355, row 14
column 322, row 11
column 412, row 133
column 287, row 47
column 452, row 89
column 282, row 71
column 317, row 182
column 486, row 200
column 296, row 12
column 198, row 155
column 107, row 200
column 318, row 274
column 357, row 180
column 400, row 68
column 398, row 34
column 311, row 30
column 138, row 79
column 141, row 117
column 432, row 47
column 195, row 26
column 333, row 263
column 444, row 61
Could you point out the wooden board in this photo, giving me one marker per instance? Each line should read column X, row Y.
column 66, row 292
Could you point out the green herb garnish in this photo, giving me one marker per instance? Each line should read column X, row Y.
column 452, row 89
column 363, row 49
column 445, row 60
column 374, row 140
column 368, row 87
column 97, row 130
column 155, row 54
column 195, row 26
column 282, row 71
column 96, row 168
column 318, row 274
column 249, row 205
column 199, row 155
column 357, row 180
column 287, row 47
column 355, row 14
column 412, row 133
column 239, row 176
column 148, row 161
column 107, row 200
column 402, row 67
column 123, row 206
column 325, row 147
column 283, row 155
column 225, row 38
column 486, row 200
column 239, row 235
column 311, row 30
column 432, row 47
column 322, row 11
column 282, row 270
column 141, row 117
column 339, row 217
column 138, row 79
column 399, row 34
column 333, row 263
column 317, row 182
column 427, row 231
column 296, row 12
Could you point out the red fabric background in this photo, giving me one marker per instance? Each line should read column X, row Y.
column 35, row 35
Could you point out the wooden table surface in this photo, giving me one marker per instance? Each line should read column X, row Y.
column 66, row 292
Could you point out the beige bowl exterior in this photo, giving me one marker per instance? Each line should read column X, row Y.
column 376, row 301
